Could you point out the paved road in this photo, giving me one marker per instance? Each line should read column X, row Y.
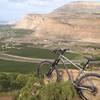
column 9, row 57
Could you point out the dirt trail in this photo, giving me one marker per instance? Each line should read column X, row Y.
column 20, row 58
column 6, row 98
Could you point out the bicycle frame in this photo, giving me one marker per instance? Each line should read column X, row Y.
column 62, row 59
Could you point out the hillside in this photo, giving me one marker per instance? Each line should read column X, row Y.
column 78, row 10
column 76, row 20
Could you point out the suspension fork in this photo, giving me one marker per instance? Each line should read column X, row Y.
column 53, row 66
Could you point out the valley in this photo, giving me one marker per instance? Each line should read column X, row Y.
column 20, row 52
column 32, row 39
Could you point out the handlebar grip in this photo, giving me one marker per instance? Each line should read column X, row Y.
column 60, row 51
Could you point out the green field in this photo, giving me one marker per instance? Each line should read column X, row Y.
column 26, row 50
column 20, row 67
column 31, row 52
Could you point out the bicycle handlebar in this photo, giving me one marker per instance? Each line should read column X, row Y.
column 60, row 51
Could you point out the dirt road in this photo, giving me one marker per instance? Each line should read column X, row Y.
column 32, row 60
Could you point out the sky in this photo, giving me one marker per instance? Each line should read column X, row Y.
column 11, row 10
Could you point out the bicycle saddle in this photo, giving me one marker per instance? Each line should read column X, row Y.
column 90, row 58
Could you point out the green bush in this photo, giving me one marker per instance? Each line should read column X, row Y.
column 54, row 91
column 57, row 91
column 27, row 87
column 11, row 82
column 19, row 82
column 5, row 81
column 25, row 92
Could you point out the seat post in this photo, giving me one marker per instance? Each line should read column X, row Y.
column 86, row 65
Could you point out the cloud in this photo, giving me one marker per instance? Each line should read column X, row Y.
column 35, row 2
column 14, row 9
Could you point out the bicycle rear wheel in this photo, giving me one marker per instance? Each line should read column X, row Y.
column 90, row 86
column 43, row 69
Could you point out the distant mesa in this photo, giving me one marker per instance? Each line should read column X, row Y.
column 76, row 20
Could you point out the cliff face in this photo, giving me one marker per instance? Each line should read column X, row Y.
column 77, row 20
column 29, row 21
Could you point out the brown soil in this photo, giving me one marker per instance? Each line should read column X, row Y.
column 6, row 98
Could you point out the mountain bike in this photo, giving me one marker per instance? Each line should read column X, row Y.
column 86, row 84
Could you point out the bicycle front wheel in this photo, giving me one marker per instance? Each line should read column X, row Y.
column 43, row 69
column 90, row 86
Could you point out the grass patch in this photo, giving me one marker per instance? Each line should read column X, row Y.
column 97, row 58
column 31, row 52
column 20, row 67
column 72, row 55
